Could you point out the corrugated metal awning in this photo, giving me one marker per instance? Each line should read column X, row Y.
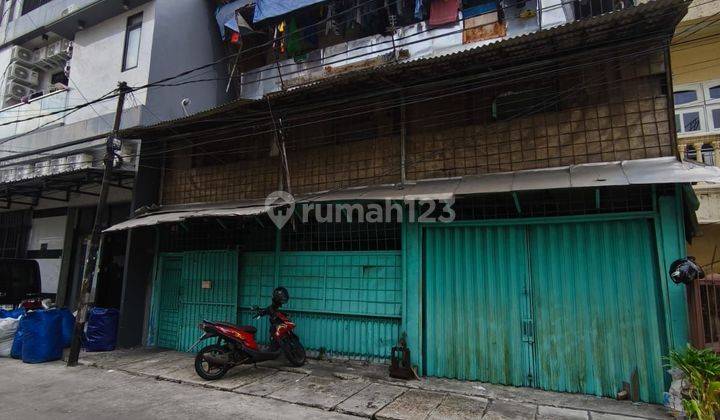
column 666, row 170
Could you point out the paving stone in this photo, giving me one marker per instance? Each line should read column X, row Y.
column 458, row 407
column 603, row 416
column 414, row 404
column 503, row 410
column 319, row 391
column 152, row 366
column 370, row 400
column 270, row 384
column 550, row 413
column 235, row 378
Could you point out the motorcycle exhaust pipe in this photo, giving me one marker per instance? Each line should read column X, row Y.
column 216, row 360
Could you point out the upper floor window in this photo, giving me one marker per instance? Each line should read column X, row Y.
column 697, row 107
column 30, row 5
column 684, row 97
column 131, row 53
column 708, row 154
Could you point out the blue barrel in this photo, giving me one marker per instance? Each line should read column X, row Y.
column 41, row 336
column 101, row 330
column 68, row 326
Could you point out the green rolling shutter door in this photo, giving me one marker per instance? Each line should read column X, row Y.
column 567, row 307
column 596, row 307
column 475, row 280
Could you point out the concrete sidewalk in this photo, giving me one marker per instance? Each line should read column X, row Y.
column 366, row 390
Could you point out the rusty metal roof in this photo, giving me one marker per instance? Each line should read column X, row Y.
column 655, row 20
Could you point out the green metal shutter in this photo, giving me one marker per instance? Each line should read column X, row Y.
column 475, row 303
column 218, row 303
column 170, row 273
column 596, row 307
column 343, row 302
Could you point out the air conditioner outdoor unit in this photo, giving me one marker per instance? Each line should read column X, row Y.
column 22, row 74
column 58, row 165
column 21, row 55
column 14, row 90
column 39, row 56
column 43, row 168
column 79, row 162
column 56, row 54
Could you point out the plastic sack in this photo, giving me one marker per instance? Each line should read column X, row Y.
column 673, row 398
column 68, row 325
column 101, row 330
column 16, row 349
column 8, row 327
column 42, row 336
column 14, row 313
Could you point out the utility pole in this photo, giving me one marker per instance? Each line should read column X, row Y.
column 91, row 262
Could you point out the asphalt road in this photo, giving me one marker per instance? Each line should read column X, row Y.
column 51, row 390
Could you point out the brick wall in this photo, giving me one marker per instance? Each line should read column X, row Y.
column 612, row 112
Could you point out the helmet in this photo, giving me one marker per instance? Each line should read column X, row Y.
column 280, row 296
column 685, row 271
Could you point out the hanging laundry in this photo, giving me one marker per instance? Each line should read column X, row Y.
column 419, row 10
column 279, row 37
column 294, row 46
column 443, row 12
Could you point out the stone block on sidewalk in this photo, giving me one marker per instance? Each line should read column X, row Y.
column 270, row 384
column 318, row 391
column 458, row 407
column 556, row 413
column 370, row 400
column 414, row 404
column 504, row 410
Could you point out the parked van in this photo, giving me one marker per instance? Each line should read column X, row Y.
column 19, row 279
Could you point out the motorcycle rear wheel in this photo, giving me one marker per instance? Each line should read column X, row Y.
column 293, row 349
column 207, row 370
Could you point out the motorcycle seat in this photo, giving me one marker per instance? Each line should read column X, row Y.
column 244, row 328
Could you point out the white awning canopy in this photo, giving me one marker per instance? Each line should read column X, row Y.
column 666, row 170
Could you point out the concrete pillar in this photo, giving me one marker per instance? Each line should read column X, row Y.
column 698, row 150
column 140, row 251
column 681, row 149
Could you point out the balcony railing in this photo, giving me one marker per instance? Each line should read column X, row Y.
column 43, row 105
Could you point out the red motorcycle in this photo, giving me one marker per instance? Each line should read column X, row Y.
column 236, row 345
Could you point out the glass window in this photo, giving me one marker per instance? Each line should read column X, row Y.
column 678, row 125
column 708, row 154
column 714, row 92
column 691, row 121
column 685, row 97
column 690, row 152
column 131, row 54
column 715, row 118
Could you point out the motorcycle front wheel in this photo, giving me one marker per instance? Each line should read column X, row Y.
column 208, row 370
column 293, row 349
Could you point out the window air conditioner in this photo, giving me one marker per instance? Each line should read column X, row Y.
column 79, row 162
column 22, row 74
column 17, row 91
column 22, row 55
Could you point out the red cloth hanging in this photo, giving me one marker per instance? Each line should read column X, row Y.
column 443, row 12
